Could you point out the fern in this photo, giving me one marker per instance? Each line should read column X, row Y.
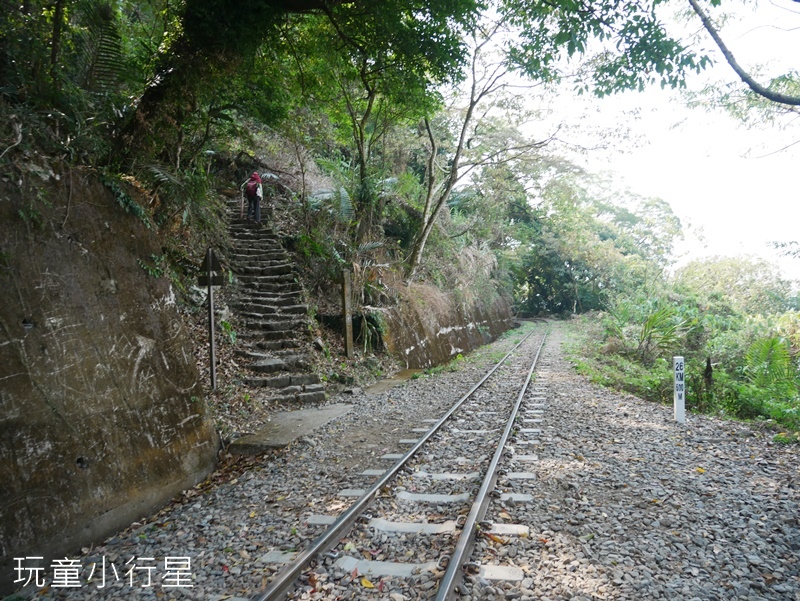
column 101, row 58
column 112, row 182
column 184, row 193
column 769, row 363
column 368, row 247
column 346, row 211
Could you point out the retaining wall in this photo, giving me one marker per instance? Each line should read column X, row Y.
column 429, row 327
column 101, row 418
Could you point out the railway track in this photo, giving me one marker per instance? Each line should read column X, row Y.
column 420, row 519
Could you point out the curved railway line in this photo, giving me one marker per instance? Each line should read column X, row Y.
column 433, row 501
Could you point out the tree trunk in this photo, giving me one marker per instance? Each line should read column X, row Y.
column 55, row 45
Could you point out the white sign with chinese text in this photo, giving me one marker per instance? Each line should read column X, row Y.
column 679, row 399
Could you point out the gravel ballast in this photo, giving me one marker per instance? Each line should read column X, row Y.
column 627, row 504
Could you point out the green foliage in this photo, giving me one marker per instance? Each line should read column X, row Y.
column 228, row 330
column 736, row 285
column 653, row 382
column 100, row 57
column 156, row 268
column 772, row 374
column 746, row 106
column 645, row 329
column 753, row 371
column 337, row 203
column 185, row 194
column 68, row 61
column 113, row 182
column 785, row 438
column 581, row 248
column 768, row 363
column 634, row 47
column 371, row 331
column 661, row 332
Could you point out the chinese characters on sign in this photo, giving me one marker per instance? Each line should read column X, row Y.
column 679, row 399
column 136, row 572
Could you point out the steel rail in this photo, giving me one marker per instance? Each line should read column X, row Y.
column 454, row 573
column 285, row 578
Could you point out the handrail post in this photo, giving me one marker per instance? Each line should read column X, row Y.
column 211, row 342
column 347, row 314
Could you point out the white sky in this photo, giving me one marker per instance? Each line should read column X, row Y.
column 696, row 160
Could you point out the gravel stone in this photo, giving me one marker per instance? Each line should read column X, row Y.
column 626, row 504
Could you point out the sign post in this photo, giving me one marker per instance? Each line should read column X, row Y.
column 347, row 314
column 679, row 399
column 211, row 266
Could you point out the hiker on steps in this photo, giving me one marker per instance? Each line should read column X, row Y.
column 254, row 193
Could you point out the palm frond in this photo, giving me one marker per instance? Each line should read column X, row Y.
column 101, row 57
column 367, row 247
column 346, row 211
column 164, row 176
column 769, row 362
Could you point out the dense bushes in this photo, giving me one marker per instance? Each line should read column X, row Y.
column 753, row 357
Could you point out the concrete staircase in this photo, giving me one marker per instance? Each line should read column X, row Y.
column 272, row 315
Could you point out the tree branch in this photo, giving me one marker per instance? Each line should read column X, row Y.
column 743, row 75
column 18, row 130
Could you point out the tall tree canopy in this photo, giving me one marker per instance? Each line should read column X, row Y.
column 172, row 80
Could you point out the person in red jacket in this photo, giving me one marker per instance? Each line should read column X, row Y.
column 254, row 193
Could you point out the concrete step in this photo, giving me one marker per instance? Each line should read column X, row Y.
column 283, row 278
column 266, row 364
column 263, row 260
column 274, row 324
column 243, row 223
column 251, row 337
column 275, row 365
column 264, row 235
column 260, row 312
column 274, row 345
column 284, row 380
column 248, row 249
column 256, row 353
column 264, row 256
column 269, row 365
column 277, row 298
column 247, row 246
column 267, row 306
column 258, row 237
column 254, row 237
column 257, row 269
column 267, row 289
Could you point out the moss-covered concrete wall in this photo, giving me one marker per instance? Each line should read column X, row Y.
column 99, row 414
column 429, row 327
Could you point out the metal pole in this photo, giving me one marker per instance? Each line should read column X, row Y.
column 347, row 314
column 212, row 348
